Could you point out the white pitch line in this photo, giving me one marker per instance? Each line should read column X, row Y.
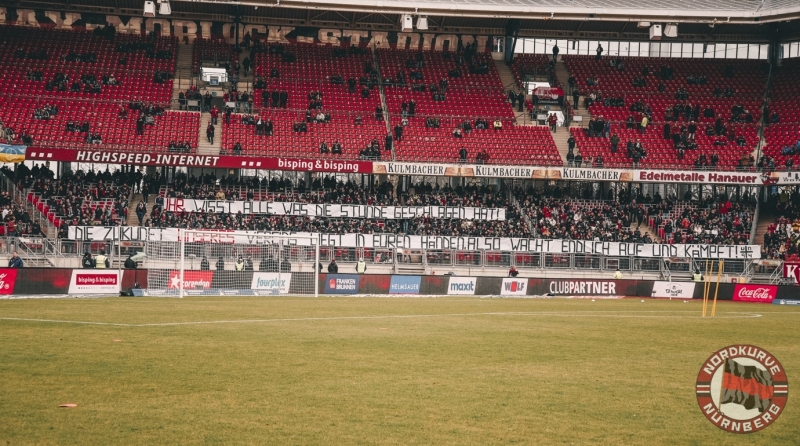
column 733, row 315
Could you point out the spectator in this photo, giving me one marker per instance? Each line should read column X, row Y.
column 333, row 268
column 15, row 261
column 87, row 262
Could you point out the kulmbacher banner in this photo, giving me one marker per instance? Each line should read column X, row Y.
column 395, row 241
column 333, row 210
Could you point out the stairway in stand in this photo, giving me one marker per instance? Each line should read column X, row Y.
column 765, row 218
column 183, row 71
column 646, row 229
column 562, row 74
column 203, row 146
column 133, row 219
column 509, row 82
column 560, row 137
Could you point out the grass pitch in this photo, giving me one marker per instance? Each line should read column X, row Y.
column 347, row 370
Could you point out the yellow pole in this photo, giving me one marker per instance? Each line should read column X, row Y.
column 716, row 290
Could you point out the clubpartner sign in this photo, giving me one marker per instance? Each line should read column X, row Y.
column 464, row 286
column 573, row 287
column 274, row 283
column 742, row 389
column 94, row 281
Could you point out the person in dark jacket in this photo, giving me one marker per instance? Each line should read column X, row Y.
column 130, row 263
column 333, row 268
column 88, row 261
column 220, row 264
column 204, row 266
column 286, row 267
column 15, row 261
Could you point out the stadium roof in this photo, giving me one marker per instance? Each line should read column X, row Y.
column 732, row 20
column 658, row 10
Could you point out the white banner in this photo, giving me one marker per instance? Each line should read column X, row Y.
column 514, row 287
column 674, row 290
column 395, row 241
column 333, row 210
column 95, row 281
column 462, row 285
column 272, row 281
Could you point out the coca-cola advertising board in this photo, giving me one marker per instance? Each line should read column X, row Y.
column 755, row 293
column 8, row 277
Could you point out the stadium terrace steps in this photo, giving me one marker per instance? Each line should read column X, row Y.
column 133, row 220
column 183, row 71
column 646, row 229
column 765, row 218
column 562, row 74
column 203, row 146
column 560, row 138
column 508, row 81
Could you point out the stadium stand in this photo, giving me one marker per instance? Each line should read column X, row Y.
column 719, row 100
column 75, row 198
column 295, row 83
column 449, row 101
column 782, row 120
column 78, row 89
column 782, row 235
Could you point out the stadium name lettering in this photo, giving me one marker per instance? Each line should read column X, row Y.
column 146, row 158
column 193, row 29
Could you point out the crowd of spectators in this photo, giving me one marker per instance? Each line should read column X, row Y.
column 713, row 221
column 328, row 191
column 78, row 198
column 782, row 239
column 565, row 218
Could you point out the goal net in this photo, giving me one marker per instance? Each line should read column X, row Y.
column 227, row 263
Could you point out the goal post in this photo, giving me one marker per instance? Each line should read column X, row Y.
column 229, row 263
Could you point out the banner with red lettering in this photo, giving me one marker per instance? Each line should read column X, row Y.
column 549, row 95
column 212, row 161
column 94, row 281
column 791, row 270
column 754, row 293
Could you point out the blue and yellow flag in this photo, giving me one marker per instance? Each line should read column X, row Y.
column 12, row 153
